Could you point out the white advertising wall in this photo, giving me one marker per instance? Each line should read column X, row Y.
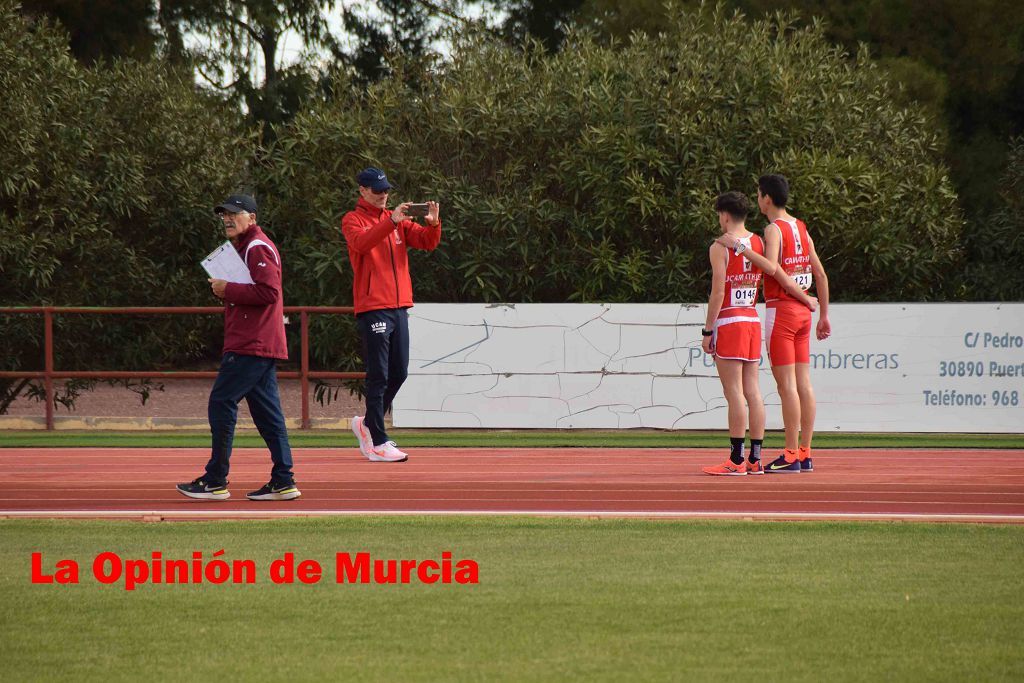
column 886, row 368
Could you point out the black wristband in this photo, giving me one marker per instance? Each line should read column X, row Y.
column 706, row 333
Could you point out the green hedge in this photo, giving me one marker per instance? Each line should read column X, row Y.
column 589, row 175
column 108, row 178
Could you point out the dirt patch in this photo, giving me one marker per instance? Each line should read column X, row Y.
column 183, row 398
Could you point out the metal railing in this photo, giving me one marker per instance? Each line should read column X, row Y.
column 49, row 373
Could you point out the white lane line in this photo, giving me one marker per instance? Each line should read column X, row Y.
column 695, row 514
column 606, row 499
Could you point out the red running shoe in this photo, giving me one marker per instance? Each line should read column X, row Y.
column 728, row 469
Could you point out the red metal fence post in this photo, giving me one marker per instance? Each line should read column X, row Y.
column 48, row 365
column 304, row 369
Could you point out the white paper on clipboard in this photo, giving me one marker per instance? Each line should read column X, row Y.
column 224, row 263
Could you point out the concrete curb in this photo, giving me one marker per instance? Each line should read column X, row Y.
column 9, row 422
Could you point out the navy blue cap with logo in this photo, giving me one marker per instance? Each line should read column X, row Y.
column 236, row 203
column 374, row 179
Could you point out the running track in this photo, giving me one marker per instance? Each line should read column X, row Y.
column 927, row 485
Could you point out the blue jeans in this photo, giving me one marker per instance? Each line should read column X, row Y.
column 255, row 379
column 385, row 335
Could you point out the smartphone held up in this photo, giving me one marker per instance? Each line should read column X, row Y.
column 417, row 210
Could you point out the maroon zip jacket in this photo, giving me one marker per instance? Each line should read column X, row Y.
column 254, row 314
column 377, row 249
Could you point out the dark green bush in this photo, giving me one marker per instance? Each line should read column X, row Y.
column 589, row 175
column 108, row 176
column 997, row 247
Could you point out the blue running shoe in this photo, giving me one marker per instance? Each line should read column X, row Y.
column 806, row 465
column 199, row 488
column 780, row 466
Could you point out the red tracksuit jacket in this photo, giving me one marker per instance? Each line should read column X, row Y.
column 377, row 249
column 254, row 314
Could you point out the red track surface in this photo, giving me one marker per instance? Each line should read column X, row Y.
column 859, row 484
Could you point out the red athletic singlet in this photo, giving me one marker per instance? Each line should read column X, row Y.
column 738, row 329
column 794, row 257
column 787, row 321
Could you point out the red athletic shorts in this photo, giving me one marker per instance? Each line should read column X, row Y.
column 738, row 337
column 789, row 333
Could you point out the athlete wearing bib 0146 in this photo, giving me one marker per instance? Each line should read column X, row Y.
column 737, row 332
column 732, row 332
column 789, row 246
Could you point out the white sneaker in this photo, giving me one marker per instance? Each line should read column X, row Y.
column 362, row 435
column 387, row 452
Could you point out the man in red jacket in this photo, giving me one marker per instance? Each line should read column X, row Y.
column 253, row 340
column 378, row 240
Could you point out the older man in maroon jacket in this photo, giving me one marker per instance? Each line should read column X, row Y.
column 253, row 341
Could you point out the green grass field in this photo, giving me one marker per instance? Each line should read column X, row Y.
column 627, row 438
column 557, row 600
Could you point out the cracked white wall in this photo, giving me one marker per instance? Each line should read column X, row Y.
column 640, row 365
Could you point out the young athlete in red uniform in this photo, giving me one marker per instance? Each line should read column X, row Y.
column 788, row 322
column 733, row 332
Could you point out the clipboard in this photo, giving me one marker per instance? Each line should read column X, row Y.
column 224, row 263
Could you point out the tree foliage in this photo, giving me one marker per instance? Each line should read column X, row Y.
column 541, row 20
column 997, row 245
column 240, row 44
column 108, row 179
column 382, row 31
column 589, row 175
column 102, row 29
column 962, row 61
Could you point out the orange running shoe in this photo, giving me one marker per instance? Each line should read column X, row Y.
column 755, row 467
column 727, row 469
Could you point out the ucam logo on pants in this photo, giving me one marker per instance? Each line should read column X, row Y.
column 379, row 328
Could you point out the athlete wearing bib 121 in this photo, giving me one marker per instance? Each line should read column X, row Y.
column 738, row 329
column 788, row 321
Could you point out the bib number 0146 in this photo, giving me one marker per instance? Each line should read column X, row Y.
column 744, row 296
